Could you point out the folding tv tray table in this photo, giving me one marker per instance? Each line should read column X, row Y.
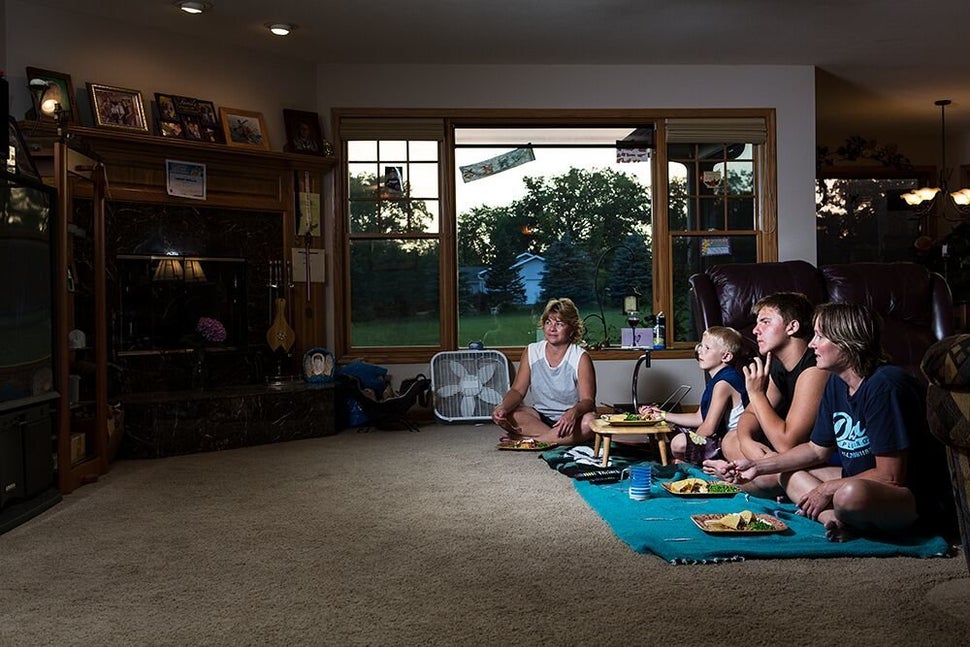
column 603, row 433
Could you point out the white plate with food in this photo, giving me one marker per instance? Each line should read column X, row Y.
column 630, row 419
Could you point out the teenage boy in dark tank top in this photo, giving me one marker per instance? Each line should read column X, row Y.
column 784, row 390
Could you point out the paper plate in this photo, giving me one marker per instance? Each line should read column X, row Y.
column 518, row 445
column 700, row 520
column 620, row 420
column 667, row 486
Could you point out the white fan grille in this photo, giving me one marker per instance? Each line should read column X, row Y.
column 468, row 384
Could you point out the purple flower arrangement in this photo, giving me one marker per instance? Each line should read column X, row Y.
column 211, row 330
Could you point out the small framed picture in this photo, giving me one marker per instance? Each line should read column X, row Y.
column 55, row 88
column 117, row 108
column 302, row 132
column 244, row 128
column 207, row 113
column 318, row 366
column 197, row 118
column 166, row 107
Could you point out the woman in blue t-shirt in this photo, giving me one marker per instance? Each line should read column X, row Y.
column 874, row 415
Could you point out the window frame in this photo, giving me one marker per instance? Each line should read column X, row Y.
column 766, row 224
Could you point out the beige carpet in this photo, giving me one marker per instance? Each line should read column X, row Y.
column 429, row 538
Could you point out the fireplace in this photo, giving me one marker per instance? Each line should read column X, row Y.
column 162, row 299
column 223, row 259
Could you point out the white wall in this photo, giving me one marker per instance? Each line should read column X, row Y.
column 112, row 53
column 3, row 30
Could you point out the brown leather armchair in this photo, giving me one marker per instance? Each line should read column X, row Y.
column 915, row 304
column 947, row 366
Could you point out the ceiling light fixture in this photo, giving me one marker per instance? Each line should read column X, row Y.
column 925, row 197
column 280, row 28
column 193, row 8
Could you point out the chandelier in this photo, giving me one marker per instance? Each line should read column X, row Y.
column 926, row 197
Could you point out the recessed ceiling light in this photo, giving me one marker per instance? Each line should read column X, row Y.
column 280, row 28
column 193, row 7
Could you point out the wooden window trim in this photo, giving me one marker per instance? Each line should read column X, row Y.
column 766, row 208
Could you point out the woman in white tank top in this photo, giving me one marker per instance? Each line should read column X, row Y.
column 562, row 380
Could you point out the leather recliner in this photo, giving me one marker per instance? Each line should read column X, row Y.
column 914, row 303
column 947, row 366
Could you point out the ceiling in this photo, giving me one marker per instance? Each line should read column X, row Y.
column 875, row 68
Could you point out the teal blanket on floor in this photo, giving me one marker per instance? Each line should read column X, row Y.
column 662, row 525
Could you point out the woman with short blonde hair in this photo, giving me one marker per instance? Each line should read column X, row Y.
column 559, row 373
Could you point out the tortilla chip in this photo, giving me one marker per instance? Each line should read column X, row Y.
column 732, row 520
column 688, row 485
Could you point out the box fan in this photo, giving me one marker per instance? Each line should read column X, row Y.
column 467, row 384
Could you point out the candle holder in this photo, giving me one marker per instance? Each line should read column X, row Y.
column 633, row 319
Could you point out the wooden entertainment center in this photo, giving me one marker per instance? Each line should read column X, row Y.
column 104, row 176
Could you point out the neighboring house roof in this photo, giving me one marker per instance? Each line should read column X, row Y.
column 527, row 257
column 523, row 259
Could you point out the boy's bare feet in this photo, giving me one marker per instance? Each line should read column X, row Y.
column 716, row 467
column 834, row 529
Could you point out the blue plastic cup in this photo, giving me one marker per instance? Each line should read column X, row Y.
column 640, row 481
column 638, row 474
column 639, row 492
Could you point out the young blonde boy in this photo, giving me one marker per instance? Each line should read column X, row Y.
column 722, row 402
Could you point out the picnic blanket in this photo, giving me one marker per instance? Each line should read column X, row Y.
column 661, row 525
column 577, row 462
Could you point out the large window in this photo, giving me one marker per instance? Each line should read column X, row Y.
column 547, row 212
column 394, row 211
column 459, row 228
column 716, row 204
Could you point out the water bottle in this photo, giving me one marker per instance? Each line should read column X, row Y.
column 660, row 331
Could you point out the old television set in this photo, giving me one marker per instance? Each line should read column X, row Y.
column 27, row 211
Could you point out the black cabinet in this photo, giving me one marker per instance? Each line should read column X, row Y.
column 26, row 460
column 11, row 463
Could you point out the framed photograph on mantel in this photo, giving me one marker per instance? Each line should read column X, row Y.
column 119, row 108
column 55, row 88
column 244, row 128
column 188, row 118
column 303, row 133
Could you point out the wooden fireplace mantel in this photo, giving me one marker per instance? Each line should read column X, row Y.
column 238, row 177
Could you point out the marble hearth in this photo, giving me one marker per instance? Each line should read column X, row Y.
column 185, row 422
